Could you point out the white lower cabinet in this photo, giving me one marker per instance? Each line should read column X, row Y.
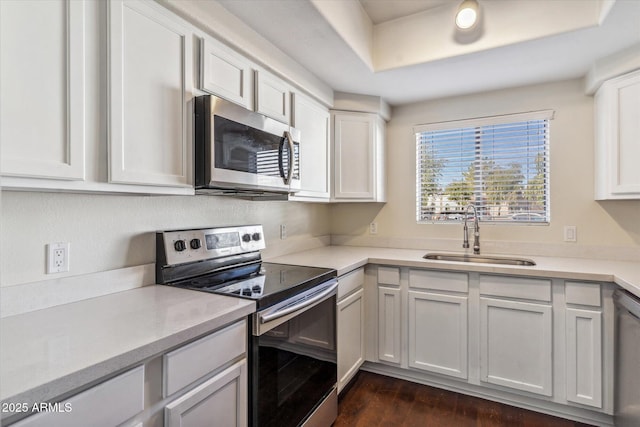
column 584, row 356
column 584, row 316
column 541, row 343
column 350, row 336
column 516, row 336
column 516, row 345
column 438, row 333
column 219, row 401
column 201, row 383
column 107, row 404
column 351, row 327
column 389, row 324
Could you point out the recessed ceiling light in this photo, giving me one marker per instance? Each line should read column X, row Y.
column 467, row 14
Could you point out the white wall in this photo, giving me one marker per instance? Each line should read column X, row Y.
column 108, row 232
column 604, row 228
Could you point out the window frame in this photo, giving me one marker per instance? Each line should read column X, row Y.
column 477, row 123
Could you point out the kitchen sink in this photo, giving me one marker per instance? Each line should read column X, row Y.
column 479, row 259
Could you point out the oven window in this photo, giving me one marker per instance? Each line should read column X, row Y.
column 243, row 148
column 294, row 367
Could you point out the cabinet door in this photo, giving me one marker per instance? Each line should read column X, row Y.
column 225, row 73
column 438, row 333
column 149, row 73
column 312, row 119
column 516, row 345
column 354, row 156
column 220, row 401
column 272, row 96
column 42, row 58
column 350, row 337
column 389, row 328
column 107, row 404
column 584, row 357
column 617, row 136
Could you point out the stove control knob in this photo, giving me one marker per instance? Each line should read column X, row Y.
column 246, row 292
column 256, row 236
column 180, row 245
column 195, row 244
column 246, row 238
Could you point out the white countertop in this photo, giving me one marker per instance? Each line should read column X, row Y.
column 347, row 258
column 50, row 352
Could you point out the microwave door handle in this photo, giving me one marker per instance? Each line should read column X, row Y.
column 280, row 158
column 287, row 179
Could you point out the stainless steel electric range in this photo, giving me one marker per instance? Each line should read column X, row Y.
column 292, row 347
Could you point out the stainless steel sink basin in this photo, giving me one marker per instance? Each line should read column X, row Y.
column 479, row 258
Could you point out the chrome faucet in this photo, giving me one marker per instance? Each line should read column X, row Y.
column 476, row 230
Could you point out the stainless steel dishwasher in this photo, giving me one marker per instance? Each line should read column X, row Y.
column 627, row 360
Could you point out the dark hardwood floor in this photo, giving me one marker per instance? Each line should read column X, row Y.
column 377, row 400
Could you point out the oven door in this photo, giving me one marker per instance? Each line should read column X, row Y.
column 293, row 360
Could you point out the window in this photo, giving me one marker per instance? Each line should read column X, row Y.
column 499, row 164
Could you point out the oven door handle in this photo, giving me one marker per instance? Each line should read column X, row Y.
column 306, row 301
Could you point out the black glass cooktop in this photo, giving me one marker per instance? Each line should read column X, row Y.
column 264, row 282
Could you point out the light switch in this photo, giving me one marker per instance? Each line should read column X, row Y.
column 570, row 233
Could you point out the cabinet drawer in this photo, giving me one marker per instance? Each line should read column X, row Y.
column 193, row 361
column 582, row 293
column 516, row 287
column 439, row 280
column 350, row 282
column 389, row 276
column 108, row 404
column 220, row 401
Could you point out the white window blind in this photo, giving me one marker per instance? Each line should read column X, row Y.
column 499, row 164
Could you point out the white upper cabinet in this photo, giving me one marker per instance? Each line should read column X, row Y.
column 42, row 90
column 617, row 154
column 273, row 97
column 150, row 74
column 225, row 73
column 312, row 119
column 358, row 157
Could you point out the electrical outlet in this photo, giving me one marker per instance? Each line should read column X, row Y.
column 570, row 233
column 57, row 257
column 283, row 231
column 373, row 228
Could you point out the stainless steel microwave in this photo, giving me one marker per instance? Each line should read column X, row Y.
column 241, row 152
